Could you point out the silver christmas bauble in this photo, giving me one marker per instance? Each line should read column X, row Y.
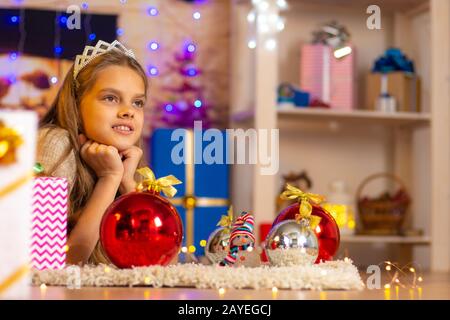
column 217, row 245
column 292, row 243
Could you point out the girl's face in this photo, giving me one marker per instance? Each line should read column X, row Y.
column 113, row 109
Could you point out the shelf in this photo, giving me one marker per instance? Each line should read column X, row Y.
column 359, row 116
column 413, row 240
column 386, row 5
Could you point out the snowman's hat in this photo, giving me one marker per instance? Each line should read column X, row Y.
column 243, row 226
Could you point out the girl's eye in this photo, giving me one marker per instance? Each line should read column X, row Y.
column 110, row 99
column 139, row 104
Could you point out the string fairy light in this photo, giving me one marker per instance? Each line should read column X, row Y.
column 404, row 277
column 265, row 21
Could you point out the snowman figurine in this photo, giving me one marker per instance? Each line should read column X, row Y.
column 242, row 250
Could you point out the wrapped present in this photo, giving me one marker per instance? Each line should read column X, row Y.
column 393, row 77
column 49, row 223
column 203, row 196
column 17, row 156
column 404, row 87
column 326, row 78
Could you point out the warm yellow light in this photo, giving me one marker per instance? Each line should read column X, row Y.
column 203, row 243
column 351, row 224
column 66, row 248
column 397, row 281
column 192, row 249
column 107, row 269
column 318, row 230
column 387, row 286
column 43, row 286
column 274, row 289
column 419, row 279
column 147, row 280
column 412, row 270
column 221, row 291
column 388, row 268
column 343, row 214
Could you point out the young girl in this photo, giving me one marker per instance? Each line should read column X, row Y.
column 92, row 136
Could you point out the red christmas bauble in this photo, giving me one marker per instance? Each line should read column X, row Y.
column 327, row 231
column 141, row 229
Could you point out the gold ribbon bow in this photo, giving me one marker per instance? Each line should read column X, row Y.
column 164, row 184
column 305, row 201
column 226, row 221
column 10, row 140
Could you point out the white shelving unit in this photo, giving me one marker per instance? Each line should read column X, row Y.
column 414, row 146
column 360, row 116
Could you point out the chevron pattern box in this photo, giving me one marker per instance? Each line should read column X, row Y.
column 49, row 224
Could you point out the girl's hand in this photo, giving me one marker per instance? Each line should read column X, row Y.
column 131, row 158
column 104, row 160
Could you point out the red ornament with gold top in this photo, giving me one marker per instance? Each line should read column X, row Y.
column 142, row 228
column 323, row 223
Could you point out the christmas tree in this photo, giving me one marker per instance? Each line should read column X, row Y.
column 185, row 103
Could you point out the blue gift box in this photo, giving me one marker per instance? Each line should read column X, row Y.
column 203, row 196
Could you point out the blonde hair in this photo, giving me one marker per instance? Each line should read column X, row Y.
column 65, row 113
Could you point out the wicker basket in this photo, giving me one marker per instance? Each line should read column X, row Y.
column 382, row 216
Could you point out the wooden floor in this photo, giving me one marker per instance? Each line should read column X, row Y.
column 434, row 286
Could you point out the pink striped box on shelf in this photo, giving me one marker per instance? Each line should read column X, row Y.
column 327, row 78
column 49, row 223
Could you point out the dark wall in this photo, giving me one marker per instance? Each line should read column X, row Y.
column 41, row 27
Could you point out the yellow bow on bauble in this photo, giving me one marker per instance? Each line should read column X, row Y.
column 305, row 201
column 226, row 221
column 164, row 184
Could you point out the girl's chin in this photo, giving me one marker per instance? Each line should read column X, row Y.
column 120, row 145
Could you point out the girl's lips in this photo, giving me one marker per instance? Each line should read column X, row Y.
column 123, row 129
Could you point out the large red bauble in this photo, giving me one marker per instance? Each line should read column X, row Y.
column 327, row 231
column 141, row 229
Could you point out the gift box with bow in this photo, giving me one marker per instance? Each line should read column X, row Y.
column 17, row 155
column 327, row 78
column 203, row 196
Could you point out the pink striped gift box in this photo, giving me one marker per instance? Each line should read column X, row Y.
column 49, row 223
column 327, row 78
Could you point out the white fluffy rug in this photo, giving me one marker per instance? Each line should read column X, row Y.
column 335, row 275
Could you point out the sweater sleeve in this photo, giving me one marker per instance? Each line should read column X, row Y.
column 54, row 154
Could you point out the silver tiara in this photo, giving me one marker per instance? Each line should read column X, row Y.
column 100, row 48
